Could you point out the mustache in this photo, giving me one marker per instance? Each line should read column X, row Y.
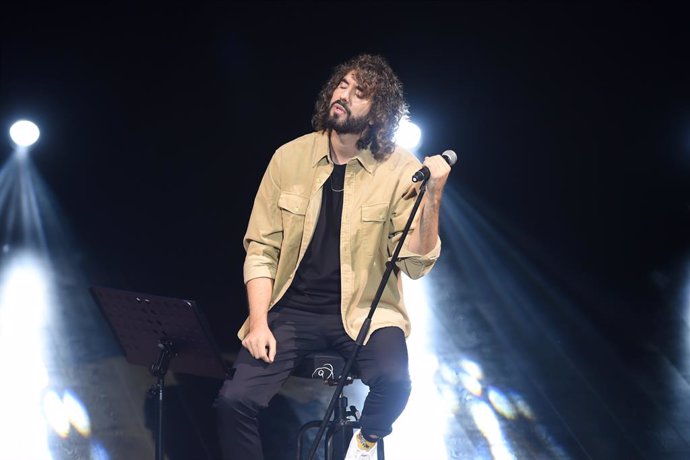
column 343, row 104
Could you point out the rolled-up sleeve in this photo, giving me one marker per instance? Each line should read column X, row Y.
column 417, row 265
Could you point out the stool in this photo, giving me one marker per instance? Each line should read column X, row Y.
column 328, row 366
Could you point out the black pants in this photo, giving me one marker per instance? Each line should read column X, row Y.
column 382, row 365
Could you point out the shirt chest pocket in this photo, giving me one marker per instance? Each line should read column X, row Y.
column 375, row 212
column 292, row 211
column 372, row 230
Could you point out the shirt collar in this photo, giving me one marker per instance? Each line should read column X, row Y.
column 365, row 157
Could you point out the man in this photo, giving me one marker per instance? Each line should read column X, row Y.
column 329, row 212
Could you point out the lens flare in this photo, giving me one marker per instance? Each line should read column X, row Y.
column 77, row 414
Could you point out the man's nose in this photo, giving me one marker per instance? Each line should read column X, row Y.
column 344, row 94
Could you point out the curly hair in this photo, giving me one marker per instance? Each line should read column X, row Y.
column 388, row 106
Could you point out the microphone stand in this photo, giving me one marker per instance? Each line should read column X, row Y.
column 359, row 342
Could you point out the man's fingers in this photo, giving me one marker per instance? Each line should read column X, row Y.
column 253, row 348
column 261, row 352
column 263, row 348
column 271, row 350
column 245, row 344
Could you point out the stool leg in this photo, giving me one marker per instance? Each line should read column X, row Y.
column 339, row 437
column 338, row 440
column 338, row 434
column 300, row 436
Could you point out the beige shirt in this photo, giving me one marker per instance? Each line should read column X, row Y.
column 377, row 202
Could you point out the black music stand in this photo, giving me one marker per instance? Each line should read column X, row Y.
column 162, row 333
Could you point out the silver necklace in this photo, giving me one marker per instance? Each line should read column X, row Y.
column 330, row 179
column 330, row 183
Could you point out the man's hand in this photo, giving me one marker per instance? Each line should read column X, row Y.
column 260, row 342
column 439, row 169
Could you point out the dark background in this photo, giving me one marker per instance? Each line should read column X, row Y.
column 571, row 121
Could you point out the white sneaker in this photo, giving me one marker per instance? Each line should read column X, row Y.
column 354, row 452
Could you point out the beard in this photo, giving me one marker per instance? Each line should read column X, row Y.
column 350, row 125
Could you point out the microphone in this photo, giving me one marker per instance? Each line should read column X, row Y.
column 423, row 174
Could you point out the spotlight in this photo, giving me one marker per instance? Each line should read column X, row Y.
column 408, row 135
column 24, row 133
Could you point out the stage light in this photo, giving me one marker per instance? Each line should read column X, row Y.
column 24, row 316
column 408, row 135
column 429, row 398
column 24, row 133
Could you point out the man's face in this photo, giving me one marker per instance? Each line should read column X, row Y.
column 349, row 112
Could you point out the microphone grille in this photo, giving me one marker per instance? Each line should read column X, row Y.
column 450, row 156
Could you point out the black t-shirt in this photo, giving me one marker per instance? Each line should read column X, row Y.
column 316, row 287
